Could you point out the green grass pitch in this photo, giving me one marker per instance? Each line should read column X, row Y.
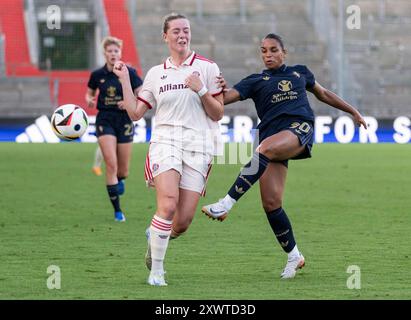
column 349, row 205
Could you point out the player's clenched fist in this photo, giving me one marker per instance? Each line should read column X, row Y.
column 194, row 82
column 120, row 69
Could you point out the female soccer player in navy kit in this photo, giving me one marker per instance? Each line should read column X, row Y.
column 114, row 128
column 285, row 132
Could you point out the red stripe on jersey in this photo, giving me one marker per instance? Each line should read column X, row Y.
column 145, row 102
column 197, row 56
column 218, row 93
column 165, row 66
column 192, row 60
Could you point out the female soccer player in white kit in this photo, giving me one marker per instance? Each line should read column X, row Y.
column 188, row 104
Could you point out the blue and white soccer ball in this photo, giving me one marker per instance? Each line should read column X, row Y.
column 69, row 122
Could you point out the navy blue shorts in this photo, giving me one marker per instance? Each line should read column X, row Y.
column 115, row 123
column 302, row 128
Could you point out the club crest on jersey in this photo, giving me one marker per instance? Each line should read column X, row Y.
column 111, row 91
column 196, row 73
column 155, row 167
column 285, row 85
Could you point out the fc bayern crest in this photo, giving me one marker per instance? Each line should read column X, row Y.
column 155, row 167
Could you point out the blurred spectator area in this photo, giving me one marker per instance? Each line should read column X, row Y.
column 373, row 73
column 376, row 73
column 58, row 43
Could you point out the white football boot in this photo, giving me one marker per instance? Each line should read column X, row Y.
column 156, row 279
column 293, row 264
column 216, row 210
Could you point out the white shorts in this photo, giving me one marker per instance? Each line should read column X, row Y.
column 194, row 167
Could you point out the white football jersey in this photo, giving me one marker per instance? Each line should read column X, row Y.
column 180, row 116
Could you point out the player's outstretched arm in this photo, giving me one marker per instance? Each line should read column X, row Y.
column 135, row 109
column 231, row 95
column 330, row 98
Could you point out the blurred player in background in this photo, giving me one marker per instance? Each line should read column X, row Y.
column 188, row 105
column 285, row 132
column 98, row 155
column 114, row 128
column 98, row 160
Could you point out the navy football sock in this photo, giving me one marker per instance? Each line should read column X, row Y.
column 281, row 226
column 114, row 197
column 251, row 172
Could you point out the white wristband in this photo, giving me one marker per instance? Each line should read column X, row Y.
column 203, row 91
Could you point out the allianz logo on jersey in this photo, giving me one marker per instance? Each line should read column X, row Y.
column 40, row 131
column 169, row 86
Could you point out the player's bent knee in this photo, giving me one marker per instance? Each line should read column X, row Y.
column 270, row 151
column 167, row 207
column 167, row 210
column 272, row 204
column 176, row 234
column 180, row 229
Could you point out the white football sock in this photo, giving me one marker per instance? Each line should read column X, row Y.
column 160, row 230
column 228, row 202
column 294, row 253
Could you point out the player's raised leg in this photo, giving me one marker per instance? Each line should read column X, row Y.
column 160, row 229
column 280, row 146
column 98, row 160
column 108, row 145
column 272, row 185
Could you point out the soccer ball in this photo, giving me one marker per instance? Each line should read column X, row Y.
column 69, row 122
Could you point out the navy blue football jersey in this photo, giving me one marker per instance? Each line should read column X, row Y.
column 279, row 92
column 110, row 88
